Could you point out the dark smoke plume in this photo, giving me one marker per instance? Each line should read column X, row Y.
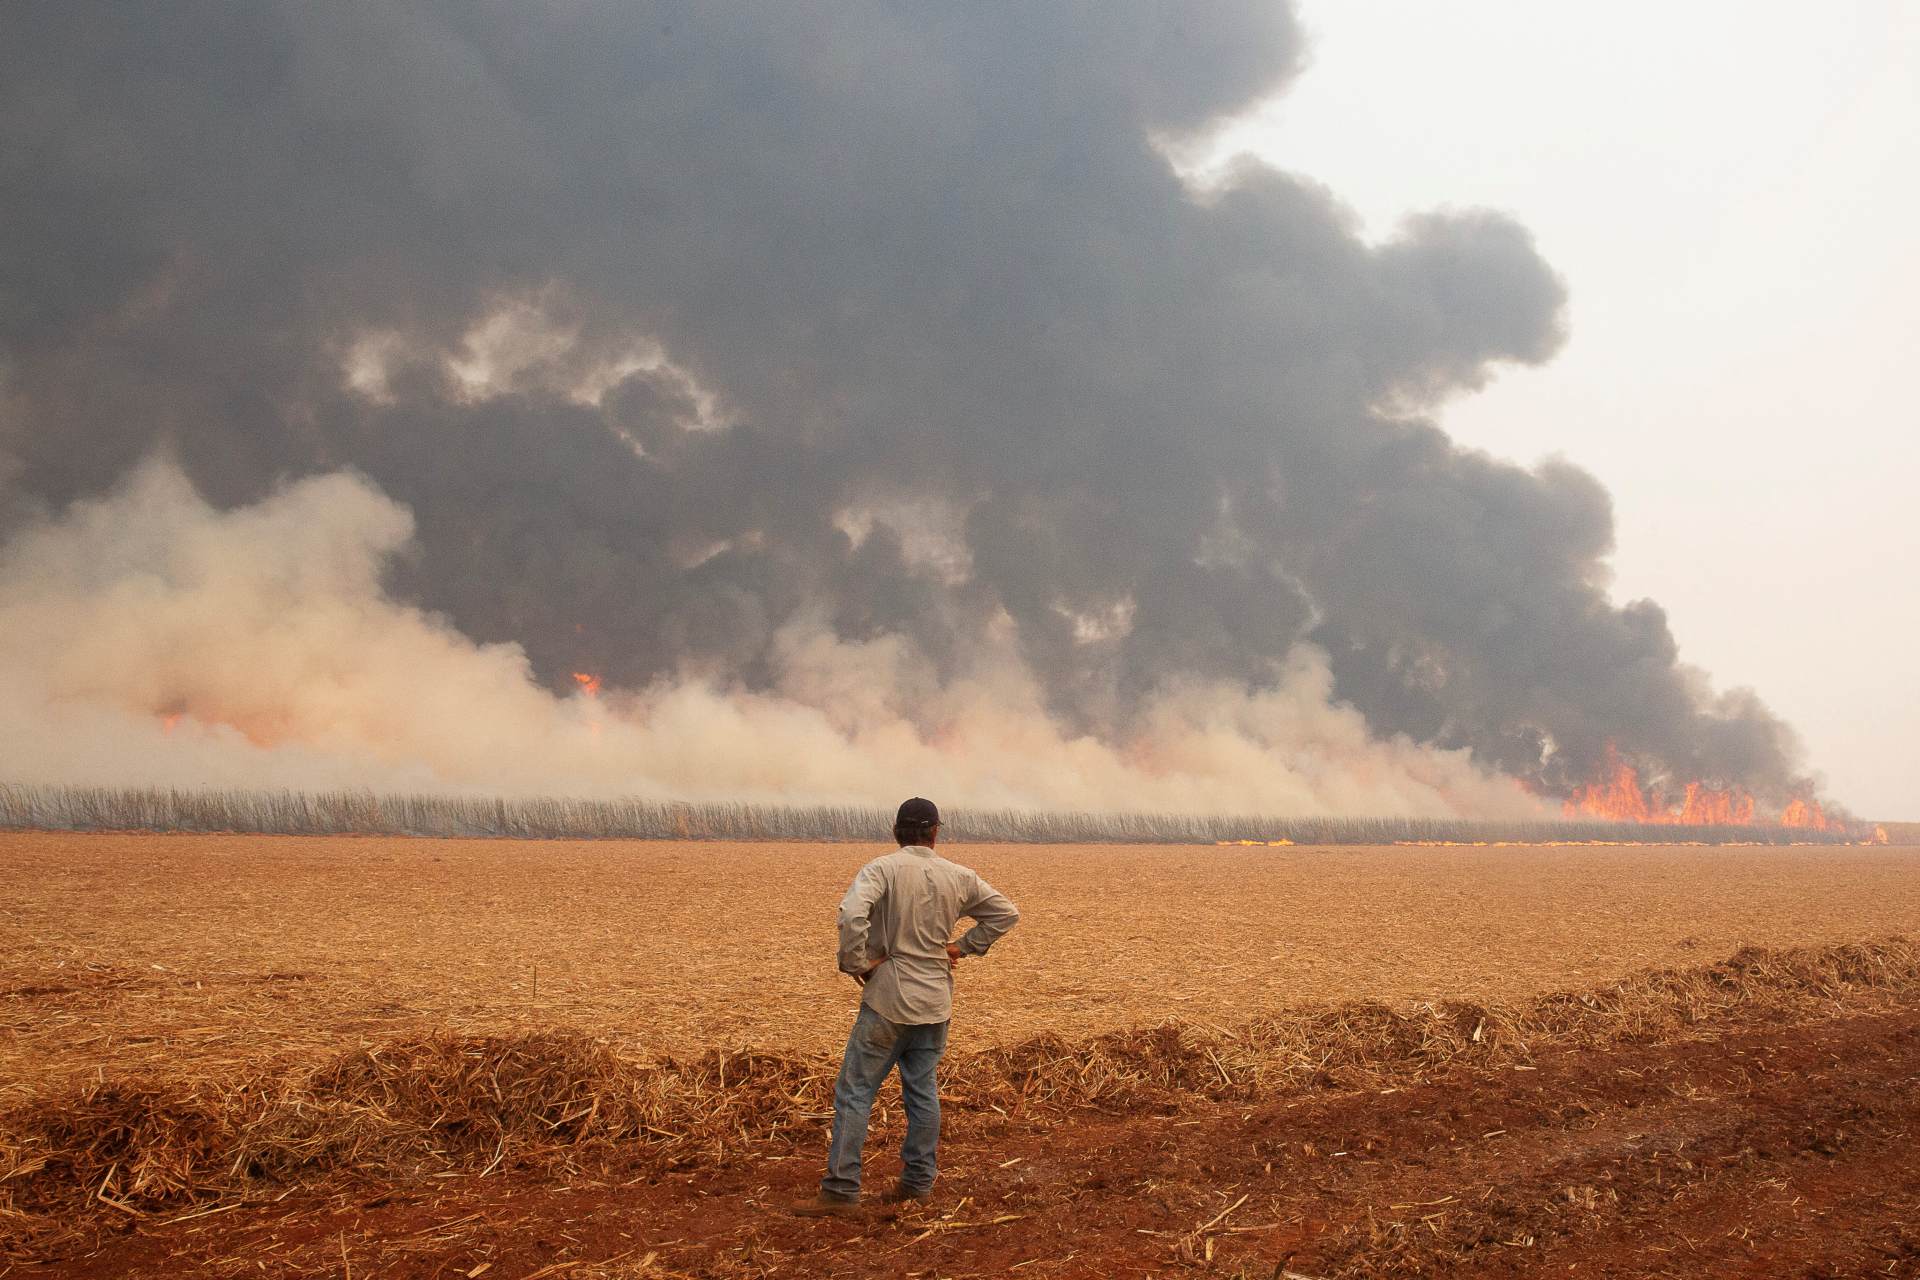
column 676, row 327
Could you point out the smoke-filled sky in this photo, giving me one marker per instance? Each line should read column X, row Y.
column 1729, row 189
column 858, row 394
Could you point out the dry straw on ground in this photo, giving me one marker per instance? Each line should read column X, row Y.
column 559, row 1101
column 206, row 955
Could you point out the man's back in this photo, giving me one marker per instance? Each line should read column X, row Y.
column 894, row 925
column 903, row 906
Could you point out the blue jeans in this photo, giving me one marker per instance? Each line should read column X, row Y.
column 873, row 1047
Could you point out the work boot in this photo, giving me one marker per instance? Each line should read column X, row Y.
column 825, row 1205
column 903, row 1194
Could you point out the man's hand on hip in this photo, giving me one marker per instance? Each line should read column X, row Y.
column 954, row 955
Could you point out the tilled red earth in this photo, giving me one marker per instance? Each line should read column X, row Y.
column 1783, row 1150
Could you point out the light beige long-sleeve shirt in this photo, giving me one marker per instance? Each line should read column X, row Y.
column 903, row 906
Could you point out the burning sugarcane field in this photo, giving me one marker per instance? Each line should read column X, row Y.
column 1265, row 640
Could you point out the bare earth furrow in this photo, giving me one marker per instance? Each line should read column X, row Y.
column 1776, row 1148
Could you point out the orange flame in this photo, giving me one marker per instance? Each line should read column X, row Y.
column 1706, row 807
column 1802, row 813
column 260, row 727
column 590, row 684
column 1621, row 797
column 1618, row 798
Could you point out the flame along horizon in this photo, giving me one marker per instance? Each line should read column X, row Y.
column 1620, row 796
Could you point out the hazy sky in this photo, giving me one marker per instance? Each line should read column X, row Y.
column 1731, row 191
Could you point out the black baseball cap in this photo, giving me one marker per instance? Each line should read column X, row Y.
column 917, row 812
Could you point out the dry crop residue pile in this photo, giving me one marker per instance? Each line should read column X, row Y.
column 563, row 1152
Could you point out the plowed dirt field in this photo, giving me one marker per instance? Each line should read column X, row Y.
column 1369, row 1076
column 168, row 952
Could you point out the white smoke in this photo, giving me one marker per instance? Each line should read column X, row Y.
column 150, row 639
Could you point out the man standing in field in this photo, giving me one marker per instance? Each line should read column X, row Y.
column 895, row 923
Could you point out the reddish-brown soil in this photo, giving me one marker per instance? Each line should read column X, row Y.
column 1759, row 1149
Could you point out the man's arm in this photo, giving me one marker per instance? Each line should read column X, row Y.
column 855, row 912
column 992, row 916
